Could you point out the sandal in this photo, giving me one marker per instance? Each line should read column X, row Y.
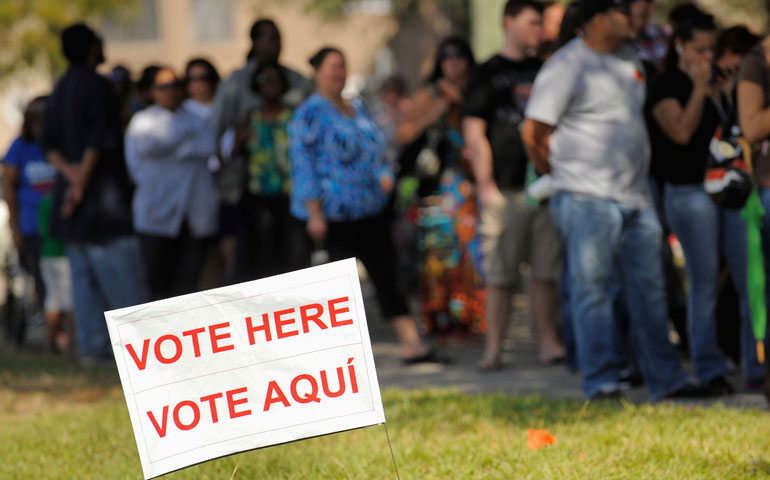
column 487, row 366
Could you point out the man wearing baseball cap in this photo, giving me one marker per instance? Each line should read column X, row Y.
column 585, row 125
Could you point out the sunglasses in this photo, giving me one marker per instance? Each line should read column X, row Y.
column 450, row 53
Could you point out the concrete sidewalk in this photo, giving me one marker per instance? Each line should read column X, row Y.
column 522, row 375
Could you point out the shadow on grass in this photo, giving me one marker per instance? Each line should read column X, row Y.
column 533, row 411
column 31, row 371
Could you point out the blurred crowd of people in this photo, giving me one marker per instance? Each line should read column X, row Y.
column 574, row 157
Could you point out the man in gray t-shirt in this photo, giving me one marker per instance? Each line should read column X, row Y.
column 584, row 124
column 600, row 147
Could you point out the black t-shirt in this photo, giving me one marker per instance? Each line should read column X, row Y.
column 681, row 164
column 82, row 113
column 498, row 92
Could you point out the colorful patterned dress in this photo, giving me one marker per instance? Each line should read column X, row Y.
column 452, row 294
column 451, row 285
column 269, row 170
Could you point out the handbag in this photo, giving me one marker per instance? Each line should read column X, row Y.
column 728, row 178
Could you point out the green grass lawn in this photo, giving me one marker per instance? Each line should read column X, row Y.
column 61, row 422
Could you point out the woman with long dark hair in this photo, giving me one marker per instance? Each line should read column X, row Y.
column 201, row 81
column 451, row 285
column 686, row 109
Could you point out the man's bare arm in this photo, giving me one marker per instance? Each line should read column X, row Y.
column 754, row 120
column 480, row 157
column 536, row 137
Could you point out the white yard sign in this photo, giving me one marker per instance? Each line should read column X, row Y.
column 247, row 366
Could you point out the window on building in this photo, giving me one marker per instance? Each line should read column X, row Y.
column 370, row 7
column 213, row 20
column 136, row 24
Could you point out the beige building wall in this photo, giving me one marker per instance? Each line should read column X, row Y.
column 15, row 93
column 360, row 35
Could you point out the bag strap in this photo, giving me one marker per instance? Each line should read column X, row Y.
column 747, row 154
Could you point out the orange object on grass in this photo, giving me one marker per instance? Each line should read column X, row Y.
column 539, row 438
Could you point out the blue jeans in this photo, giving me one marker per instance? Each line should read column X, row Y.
column 704, row 229
column 567, row 331
column 605, row 239
column 623, row 354
column 104, row 277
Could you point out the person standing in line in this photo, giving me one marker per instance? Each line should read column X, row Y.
column 236, row 98
column 27, row 178
column 277, row 242
column 585, row 125
column 450, row 284
column 685, row 106
column 733, row 45
column 56, row 272
column 201, row 82
column 175, row 204
column 392, row 103
column 512, row 231
column 650, row 40
column 91, row 209
column 754, row 119
column 341, row 187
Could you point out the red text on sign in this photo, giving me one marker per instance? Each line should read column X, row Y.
column 174, row 345
column 284, row 322
column 304, row 388
column 207, row 401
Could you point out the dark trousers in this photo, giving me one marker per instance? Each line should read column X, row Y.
column 29, row 257
column 272, row 240
column 370, row 240
column 173, row 265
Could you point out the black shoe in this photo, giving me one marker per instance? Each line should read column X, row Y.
column 629, row 379
column 720, row 387
column 692, row 391
column 432, row 356
column 613, row 395
column 767, row 388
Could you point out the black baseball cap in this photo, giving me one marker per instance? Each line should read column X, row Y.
column 591, row 8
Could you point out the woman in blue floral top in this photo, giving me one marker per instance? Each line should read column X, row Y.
column 342, row 187
column 273, row 241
